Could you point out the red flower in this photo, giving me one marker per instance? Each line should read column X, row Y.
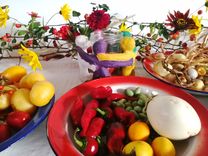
column 34, row 15
column 180, row 21
column 64, row 32
column 98, row 19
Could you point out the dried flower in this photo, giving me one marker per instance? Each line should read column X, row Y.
column 30, row 57
column 66, row 12
column 180, row 21
column 98, row 19
column 3, row 16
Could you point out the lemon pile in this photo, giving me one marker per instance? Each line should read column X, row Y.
column 31, row 90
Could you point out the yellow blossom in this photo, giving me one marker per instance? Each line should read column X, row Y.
column 3, row 16
column 30, row 57
column 123, row 28
column 66, row 12
column 197, row 22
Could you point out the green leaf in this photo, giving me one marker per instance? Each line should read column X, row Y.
column 26, row 36
column 141, row 27
column 14, row 40
column 21, row 32
column 45, row 39
column 155, row 36
column 152, row 28
column 104, row 7
column 3, row 44
column 75, row 14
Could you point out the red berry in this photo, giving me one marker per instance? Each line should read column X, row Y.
column 148, row 35
column 89, row 50
column 184, row 45
column 160, row 39
column 192, row 37
column 147, row 47
column 18, row 119
column 199, row 12
column 18, row 25
column 46, row 28
column 1, row 87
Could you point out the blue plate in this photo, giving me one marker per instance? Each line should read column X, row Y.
column 39, row 116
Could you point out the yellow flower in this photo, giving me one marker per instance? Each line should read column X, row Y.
column 66, row 12
column 3, row 16
column 123, row 28
column 30, row 57
column 197, row 22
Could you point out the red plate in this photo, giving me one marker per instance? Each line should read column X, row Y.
column 148, row 66
column 60, row 129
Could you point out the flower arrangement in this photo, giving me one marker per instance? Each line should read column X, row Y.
column 29, row 38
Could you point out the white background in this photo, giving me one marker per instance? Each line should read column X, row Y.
column 36, row 144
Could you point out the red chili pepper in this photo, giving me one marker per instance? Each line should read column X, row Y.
column 88, row 146
column 18, row 119
column 88, row 114
column 76, row 112
column 115, row 136
column 95, row 127
column 115, row 97
column 124, row 116
column 101, row 92
column 4, row 132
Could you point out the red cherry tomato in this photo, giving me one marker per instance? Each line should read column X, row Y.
column 1, row 87
column 18, row 119
column 4, row 132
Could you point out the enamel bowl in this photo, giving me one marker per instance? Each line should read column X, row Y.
column 60, row 129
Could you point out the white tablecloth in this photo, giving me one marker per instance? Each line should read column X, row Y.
column 64, row 74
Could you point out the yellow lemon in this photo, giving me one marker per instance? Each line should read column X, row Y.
column 41, row 93
column 20, row 101
column 138, row 131
column 28, row 80
column 140, row 148
column 162, row 146
column 14, row 73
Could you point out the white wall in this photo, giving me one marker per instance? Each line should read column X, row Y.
column 145, row 10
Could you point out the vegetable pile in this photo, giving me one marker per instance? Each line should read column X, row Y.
column 21, row 94
column 115, row 124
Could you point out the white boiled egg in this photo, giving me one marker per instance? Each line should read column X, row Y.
column 173, row 117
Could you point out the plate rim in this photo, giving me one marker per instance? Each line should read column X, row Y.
column 58, row 149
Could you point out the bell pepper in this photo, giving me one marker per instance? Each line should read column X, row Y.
column 115, row 137
column 95, row 127
column 88, row 114
column 88, row 145
column 124, row 116
column 76, row 112
column 101, row 92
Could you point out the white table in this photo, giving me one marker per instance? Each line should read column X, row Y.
column 64, row 74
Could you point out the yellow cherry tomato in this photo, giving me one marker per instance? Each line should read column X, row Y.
column 4, row 101
column 138, row 131
column 140, row 148
column 20, row 101
column 14, row 73
column 41, row 93
column 28, row 80
column 162, row 146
